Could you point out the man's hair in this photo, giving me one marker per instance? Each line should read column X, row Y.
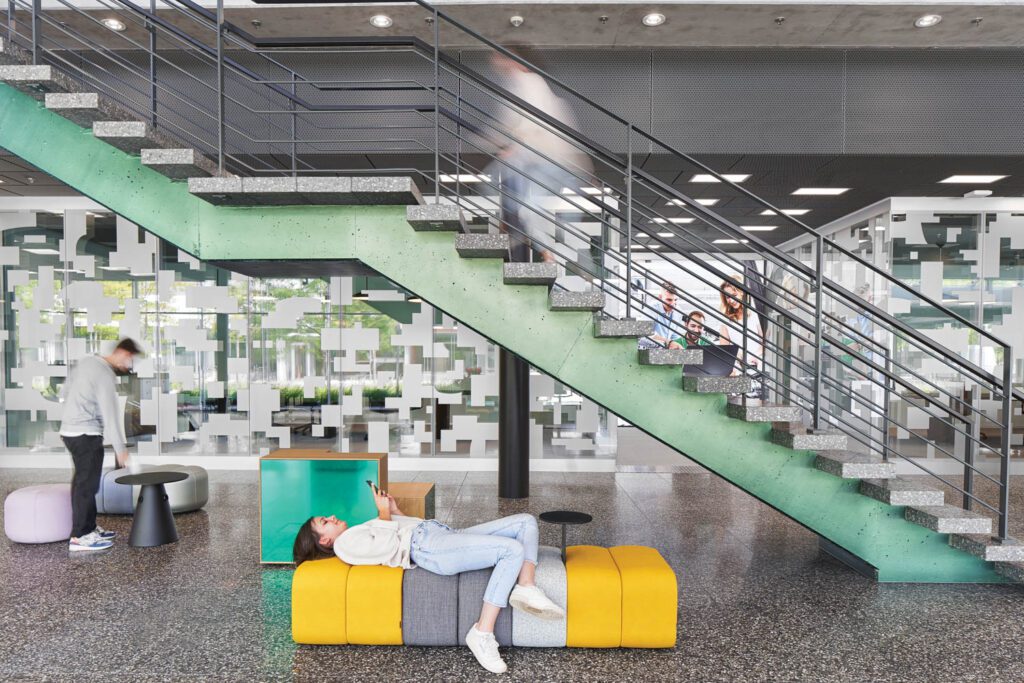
column 694, row 314
column 128, row 344
column 669, row 287
column 307, row 545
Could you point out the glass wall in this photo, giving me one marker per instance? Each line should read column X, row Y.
column 240, row 365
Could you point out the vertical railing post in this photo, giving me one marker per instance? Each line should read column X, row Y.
column 746, row 358
column 220, row 85
column 1007, row 431
column 437, row 110
column 291, row 107
column 886, row 399
column 10, row 21
column 973, row 433
column 629, row 219
column 819, row 278
column 151, row 28
column 37, row 12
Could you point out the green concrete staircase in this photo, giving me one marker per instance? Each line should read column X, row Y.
column 902, row 530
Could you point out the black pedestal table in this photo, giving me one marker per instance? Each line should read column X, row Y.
column 153, row 523
column 565, row 517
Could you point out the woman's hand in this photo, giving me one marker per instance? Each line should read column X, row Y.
column 382, row 501
column 394, row 506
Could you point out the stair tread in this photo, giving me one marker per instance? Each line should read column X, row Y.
column 529, row 273
column 626, row 327
column 482, row 245
column 898, row 491
column 435, row 217
column 949, row 519
column 564, row 300
column 988, row 547
column 313, row 190
column 671, row 357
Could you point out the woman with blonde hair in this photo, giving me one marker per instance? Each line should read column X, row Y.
column 743, row 321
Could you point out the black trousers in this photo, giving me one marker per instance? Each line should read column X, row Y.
column 87, row 456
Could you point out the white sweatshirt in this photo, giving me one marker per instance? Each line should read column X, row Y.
column 378, row 542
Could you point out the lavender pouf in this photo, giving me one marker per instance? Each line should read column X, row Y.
column 38, row 514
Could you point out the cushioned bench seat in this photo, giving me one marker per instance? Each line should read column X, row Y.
column 619, row 597
column 183, row 496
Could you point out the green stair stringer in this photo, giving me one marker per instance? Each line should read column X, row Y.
column 516, row 317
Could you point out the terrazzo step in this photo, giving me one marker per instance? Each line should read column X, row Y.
column 12, row 54
column 764, row 413
column 36, row 80
column 529, row 273
column 897, row 491
column 482, row 245
column 1014, row 571
column 849, row 465
column 562, row 300
column 711, row 384
column 435, row 218
column 85, row 108
column 629, row 328
column 808, row 440
column 130, row 136
column 313, row 190
column 989, row 548
column 179, row 164
column 671, row 356
column 947, row 519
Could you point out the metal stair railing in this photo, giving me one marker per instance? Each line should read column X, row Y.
column 254, row 106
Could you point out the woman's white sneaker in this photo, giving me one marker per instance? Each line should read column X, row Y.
column 532, row 600
column 90, row 541
column 484, row 647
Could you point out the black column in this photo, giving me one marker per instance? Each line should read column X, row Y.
column 513, row 426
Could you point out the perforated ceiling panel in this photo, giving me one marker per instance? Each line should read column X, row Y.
column 764, row 101
column 939, row 101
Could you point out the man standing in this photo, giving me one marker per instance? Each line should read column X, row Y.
column 91, row 409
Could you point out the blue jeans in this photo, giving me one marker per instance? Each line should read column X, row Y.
column 503, row 544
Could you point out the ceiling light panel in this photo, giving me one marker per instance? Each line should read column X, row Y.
column 967, row 179
column 758, row 228
column 822, row 191
column 788, row 212
column 708, row 178
column 653, row 19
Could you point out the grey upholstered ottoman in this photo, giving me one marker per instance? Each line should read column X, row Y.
column 183, row 496
column 471, row 598
column 430, row 608
column 531, row 631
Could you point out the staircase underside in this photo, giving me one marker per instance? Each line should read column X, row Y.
column 517, row 317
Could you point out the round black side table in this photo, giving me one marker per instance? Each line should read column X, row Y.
column 565, row 517
column 153, row 523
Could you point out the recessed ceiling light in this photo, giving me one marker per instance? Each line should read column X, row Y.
column 654, row 19
column 381, row 21
column 788, row 212
column 708, row 178
column 927, row 20
column 666, row 234
column 972, row 178
column 465, row 178
column 42, row 252
column 730, row 241
column 758, row 228
column 116, row 269
column 822, row 191
column 979, row 193
column 702, row 202
column 114, row 24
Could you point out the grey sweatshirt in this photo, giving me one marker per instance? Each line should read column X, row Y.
column 90, row 402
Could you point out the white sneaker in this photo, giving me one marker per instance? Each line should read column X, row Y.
column 90, row 541
column 104, row 534
column 532, row 600
column 484, row 647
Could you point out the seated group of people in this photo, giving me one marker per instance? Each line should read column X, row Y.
column 733, row 308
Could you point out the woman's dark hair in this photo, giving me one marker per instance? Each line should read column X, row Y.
column 307, row 544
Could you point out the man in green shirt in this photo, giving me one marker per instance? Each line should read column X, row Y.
column 694, row 332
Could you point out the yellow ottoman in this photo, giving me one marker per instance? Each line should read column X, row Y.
column 594, row 606
column 374, row 606
column 318, row 602
column 649, row 597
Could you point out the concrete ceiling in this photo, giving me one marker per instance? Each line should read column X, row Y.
column 618, row 25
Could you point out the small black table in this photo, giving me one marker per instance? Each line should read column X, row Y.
column 153, row 523
column 565, row 517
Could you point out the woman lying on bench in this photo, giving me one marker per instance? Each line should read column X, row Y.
column 394, row 540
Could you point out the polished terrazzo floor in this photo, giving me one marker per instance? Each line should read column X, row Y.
column 758, row 602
